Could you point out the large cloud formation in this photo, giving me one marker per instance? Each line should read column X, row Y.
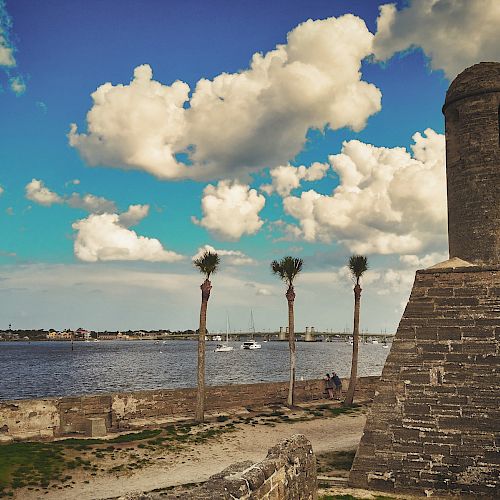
column 231, row 210
column 105, row 238
column 236, row 123
column 105, row 235
column 387, row 201
column 454, row 34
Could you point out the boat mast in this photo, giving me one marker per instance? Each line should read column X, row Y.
column 252, row 324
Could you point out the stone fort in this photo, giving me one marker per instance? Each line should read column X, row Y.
column 434, row 427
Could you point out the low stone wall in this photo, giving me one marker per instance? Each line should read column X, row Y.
column 56, row 417
column 287, row 473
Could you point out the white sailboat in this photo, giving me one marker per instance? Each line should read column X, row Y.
column 251, row 344
column 225, row 347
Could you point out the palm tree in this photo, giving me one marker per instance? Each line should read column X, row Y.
column 358, row 265
column 287, row 269
column 207, row 264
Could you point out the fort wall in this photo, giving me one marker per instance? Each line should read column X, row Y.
column 434, row 424
column 472, row 114
column 56, row 417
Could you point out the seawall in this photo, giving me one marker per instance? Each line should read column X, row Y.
column 37, row 419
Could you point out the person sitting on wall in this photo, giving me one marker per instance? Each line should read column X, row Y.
column 338, row 385
column 329, row 385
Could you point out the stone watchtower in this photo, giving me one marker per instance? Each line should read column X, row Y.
column 434, row 425
column 472, row 115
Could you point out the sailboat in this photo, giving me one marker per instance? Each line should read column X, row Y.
column 225, row 347
column 251, row 344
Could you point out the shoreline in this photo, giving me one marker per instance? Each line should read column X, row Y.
column 97, row 415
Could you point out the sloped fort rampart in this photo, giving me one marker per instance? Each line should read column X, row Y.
column 434, row 426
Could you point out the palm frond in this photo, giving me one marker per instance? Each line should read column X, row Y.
column 287, row 268
column 208, row 263
column 358, row 265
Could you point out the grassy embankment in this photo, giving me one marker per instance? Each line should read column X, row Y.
column 43, row 465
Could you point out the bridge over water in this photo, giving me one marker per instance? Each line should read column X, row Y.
column 309, row 336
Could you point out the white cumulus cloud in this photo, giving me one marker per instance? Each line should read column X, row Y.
column 103, row 238
column 287, row 178
column 37, row 192
column 454, row 34
column 231, row 210
column 387, row 201
column 240, row 122
column 6, row 51
column 134, row 215
column 91, row 203
column 231, row 257
column 17, row 85
column 135, row 126
column 423, row 262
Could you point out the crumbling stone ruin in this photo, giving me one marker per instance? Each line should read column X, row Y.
column 434, row 426
column 287, row 473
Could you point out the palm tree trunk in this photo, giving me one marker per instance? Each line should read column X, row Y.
column 290, row 296
column 355, row 348
column 200, row 395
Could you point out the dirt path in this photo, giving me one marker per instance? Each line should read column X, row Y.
column 198, row 463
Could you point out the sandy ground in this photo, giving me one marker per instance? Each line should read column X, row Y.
column 199, row 463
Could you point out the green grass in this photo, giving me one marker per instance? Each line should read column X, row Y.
column 335, row 460
column 124, row 438
column 40, row 465
column 33, row 464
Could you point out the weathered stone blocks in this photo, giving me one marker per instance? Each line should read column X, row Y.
column 287, row 473
column 434, row 425
column 471, row 112
column 55, row 417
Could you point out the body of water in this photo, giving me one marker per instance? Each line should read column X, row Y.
column 47, row 369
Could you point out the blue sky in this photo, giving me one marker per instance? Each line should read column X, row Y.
column 56, row 54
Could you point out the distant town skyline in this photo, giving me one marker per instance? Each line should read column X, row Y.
column 135, row 136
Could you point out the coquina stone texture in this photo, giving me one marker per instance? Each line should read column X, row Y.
column 472, row 115
column 287, row 473
column 434, row 426
column 56, row 417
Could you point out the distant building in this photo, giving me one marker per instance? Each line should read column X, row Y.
column 108, row 336
column 66, row 335
column 147, row 335
column 82, row 334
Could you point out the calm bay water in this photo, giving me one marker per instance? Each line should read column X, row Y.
column 42, row 369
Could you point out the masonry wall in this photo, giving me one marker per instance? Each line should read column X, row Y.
column 55, row 417
column 287, row 473
column 434, row 425
column 473, row 164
